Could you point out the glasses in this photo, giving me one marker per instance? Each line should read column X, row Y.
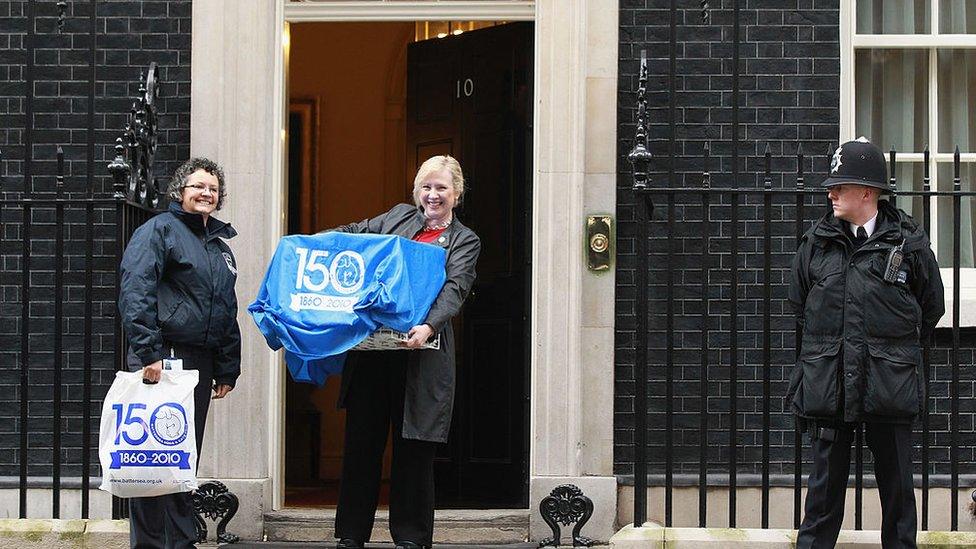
column 201, row 188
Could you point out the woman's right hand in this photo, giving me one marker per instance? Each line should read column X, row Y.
column 152, row 372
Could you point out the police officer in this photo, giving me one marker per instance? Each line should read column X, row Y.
column 866, row 289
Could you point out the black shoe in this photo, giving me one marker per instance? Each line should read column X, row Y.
column 410, row 545
column 349, row 543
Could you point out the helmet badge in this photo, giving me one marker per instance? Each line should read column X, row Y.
column 836, row 162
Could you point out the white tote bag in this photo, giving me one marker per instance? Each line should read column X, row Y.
column 147, row 445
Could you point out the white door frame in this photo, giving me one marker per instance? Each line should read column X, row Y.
column 237, row 117
column 240, row 61
column 356, row 11
column 372, row 10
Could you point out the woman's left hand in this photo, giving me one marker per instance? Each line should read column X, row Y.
column 220, row 391
column 417, row 336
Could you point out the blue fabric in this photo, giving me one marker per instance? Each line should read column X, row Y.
column 349, row 286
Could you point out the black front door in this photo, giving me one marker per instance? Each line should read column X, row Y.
column 470, row 96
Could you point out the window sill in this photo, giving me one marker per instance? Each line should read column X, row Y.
column 967, row 298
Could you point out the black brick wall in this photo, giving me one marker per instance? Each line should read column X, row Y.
column 130, row 35
column 789, row 96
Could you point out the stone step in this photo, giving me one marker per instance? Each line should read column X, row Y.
column 655, row 536
column 451, row 526
column 331, row 545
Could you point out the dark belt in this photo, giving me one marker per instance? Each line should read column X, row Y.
column 820, row 432
column 825, row 430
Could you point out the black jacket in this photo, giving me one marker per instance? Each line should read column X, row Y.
column 429, row 399
column 860, row 357
column 178, row 285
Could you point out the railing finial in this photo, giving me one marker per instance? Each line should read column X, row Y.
column 59, row 177
column 956, row 180
column 799, row 166
column 706, row 174
column 119, row 169
column 926, row 179
column 892, row 176
column 768, row 162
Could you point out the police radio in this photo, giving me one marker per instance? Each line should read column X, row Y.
column 895, row 257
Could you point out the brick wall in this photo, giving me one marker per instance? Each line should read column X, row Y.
column 789, row 96
column 130, row 35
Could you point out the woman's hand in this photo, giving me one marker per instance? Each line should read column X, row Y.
column 417, row 336
column 152, row 372
column 220, row 391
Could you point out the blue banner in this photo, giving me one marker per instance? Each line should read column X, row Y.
column 324, row 293
column 150, row 458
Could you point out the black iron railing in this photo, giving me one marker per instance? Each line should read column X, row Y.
column 62, row 243
column 728, row 200
column 794, row 207
column 75, row 258
column 724, row 204
column 66, row 259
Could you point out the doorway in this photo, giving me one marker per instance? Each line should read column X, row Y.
column 368, row 103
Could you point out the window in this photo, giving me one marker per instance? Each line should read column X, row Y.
column 908, row 80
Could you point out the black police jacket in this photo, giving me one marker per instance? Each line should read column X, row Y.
column 860, row 356
column 177, row 285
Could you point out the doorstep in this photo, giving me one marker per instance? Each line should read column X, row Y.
column 451, row 526
column 331, row 545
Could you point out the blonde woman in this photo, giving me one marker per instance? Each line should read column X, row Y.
column 411, row 391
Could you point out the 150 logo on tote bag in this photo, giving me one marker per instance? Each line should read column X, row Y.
column 345, row 275
column 146, row 442
column 168, row 426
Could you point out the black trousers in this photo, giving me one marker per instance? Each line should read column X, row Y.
column 166, row 522
column 891, row 446
column 374, row 403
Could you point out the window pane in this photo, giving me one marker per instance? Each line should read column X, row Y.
column 957, row 17
column 893, row 17
column 946, row 219
column 957, row 95
column 908, row 176
column 891, row 98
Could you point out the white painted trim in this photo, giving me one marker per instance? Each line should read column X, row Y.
column 279, row 166
column 967, row 276
column 365, row 10
column 892, row 41
column 967, row 298
column 947, row 157
column 936, row 157
column 847, row 100
column 933, row 136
